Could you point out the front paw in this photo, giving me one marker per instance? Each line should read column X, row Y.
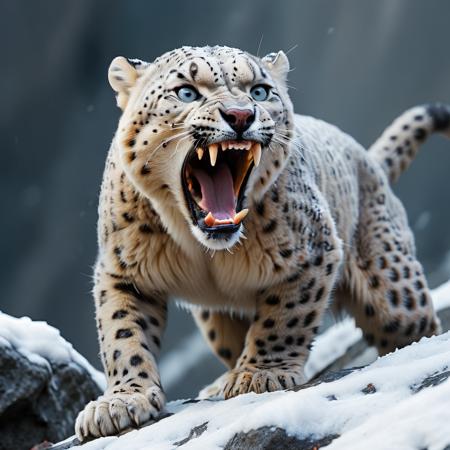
column 112, row 412
column 252, row 379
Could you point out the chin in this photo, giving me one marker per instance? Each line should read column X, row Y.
column 214, row 180
column 218, row 241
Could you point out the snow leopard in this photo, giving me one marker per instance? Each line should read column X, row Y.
column 215, row 192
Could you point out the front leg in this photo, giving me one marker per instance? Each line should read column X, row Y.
column 130, row 325
column 279, row 339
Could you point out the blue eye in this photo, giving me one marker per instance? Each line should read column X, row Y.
column 259, row 92
column 188, row 94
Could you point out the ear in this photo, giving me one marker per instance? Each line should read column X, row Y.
column 278, row 64
column 122, row 76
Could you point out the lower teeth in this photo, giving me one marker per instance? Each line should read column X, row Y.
column 211, row 221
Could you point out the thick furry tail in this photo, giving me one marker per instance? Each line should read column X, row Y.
column 398, row 145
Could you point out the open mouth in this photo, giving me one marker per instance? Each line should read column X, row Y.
column 214, row 180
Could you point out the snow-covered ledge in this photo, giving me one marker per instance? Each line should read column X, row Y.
column 400, row 401
column 388, row 405
column 43, row 344
column 44, row 383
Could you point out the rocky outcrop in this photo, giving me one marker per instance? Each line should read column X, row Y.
column 275, row 437
column 337, row 409
column 39, row 402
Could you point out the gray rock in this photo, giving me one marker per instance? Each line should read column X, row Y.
column 39, row 403
column 270, row 438
column 432, row 380
column 194, row 433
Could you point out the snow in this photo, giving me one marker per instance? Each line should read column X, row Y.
column 332, row 344
column 393, row 417
column 441, row 296
column 41, row 343
column 416, row 422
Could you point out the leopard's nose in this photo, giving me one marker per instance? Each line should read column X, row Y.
column 239, row 120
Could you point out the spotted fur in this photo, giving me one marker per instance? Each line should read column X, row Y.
column 322, row 219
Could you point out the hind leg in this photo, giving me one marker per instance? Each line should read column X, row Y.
column 392, row 310
column 390, row 297
column 225, row 334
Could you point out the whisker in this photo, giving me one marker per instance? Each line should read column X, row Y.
column 171, row 138
column 259, row 45
column 177, row 127
column 167, row 141
column 283, row 140
column 291, row 49
column 301, row 133
column 178, row 143
column 174, row 152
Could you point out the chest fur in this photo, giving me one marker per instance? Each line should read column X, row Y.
column 220, row 280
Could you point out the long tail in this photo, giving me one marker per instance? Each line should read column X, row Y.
column 398, row 145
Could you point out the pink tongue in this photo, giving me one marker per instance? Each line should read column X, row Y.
column 217, row 191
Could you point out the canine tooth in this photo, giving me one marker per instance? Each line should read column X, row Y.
column 249, row 156
column 200, row 152
column 256, row 150
column 213, row 154
column 248, row 145
column 239, row 217
column 210, row 220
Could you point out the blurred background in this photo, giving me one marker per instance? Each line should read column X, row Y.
column 358, row 64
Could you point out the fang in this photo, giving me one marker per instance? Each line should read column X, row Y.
column 239, row 217
column 256, row 150
column 213, row 154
